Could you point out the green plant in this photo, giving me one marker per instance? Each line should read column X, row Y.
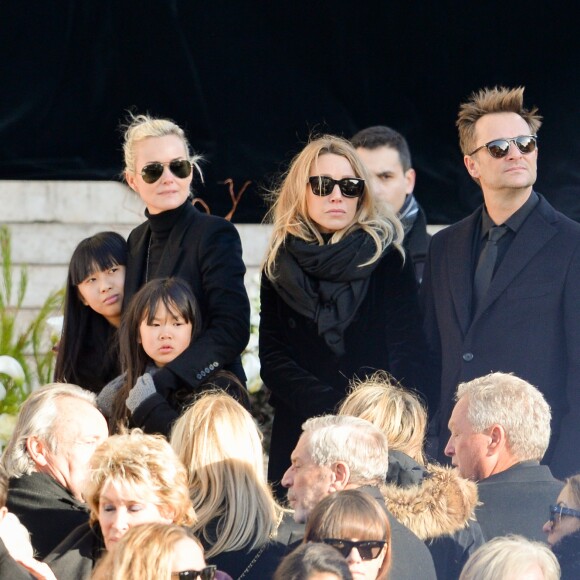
column 18, row 341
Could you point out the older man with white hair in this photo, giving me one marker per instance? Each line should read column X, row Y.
column 47, row 461
column 342, row 452
column 500, row 431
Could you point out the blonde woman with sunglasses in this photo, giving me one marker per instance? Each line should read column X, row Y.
column 338, row 297
column 178, row 240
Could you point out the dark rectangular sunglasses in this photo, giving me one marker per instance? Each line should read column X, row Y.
column 208, row 573
column 557, row 511
column 499, row 148
column 367, row 549
column 153, row 171
column 349, row 186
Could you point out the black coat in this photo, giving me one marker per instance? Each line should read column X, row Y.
column 48, row 510
column 516, row 501
column 410, row 558
column 260, row 563
column 567, row 550
column 206, row 252
column 75, row 557
column 307, row 379
column 528, row 323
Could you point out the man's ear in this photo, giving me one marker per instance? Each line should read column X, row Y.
column 471, row 166
column 37, row 449
column 497, row 439
column 340, row 476
column 410, row 177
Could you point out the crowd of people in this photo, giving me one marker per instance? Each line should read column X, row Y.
column 425, row 390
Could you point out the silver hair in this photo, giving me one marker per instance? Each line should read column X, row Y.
column 356, row 442
column 37, row 418
column 516, row 405
column 506, row 557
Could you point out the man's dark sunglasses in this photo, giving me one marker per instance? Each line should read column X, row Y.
column 557, row 511
column 349, row 186
column 367, row 549
column 208, row 573
column 499, row 148
column 153, row 171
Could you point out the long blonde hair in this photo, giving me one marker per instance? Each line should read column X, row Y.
column 219, row 443
column 289, row 213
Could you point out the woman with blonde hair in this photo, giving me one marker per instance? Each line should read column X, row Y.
column 239, row 522
column 563, row 528
column 177, row 240
column 354, row 523
column 134, row 479
column 511, row 558
column 157, row 552
column 338, row 298
column 434, row 502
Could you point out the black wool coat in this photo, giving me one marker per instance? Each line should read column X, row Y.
column 307, row 379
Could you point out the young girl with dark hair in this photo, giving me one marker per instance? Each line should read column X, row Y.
column 161, row 322
column 88, row 349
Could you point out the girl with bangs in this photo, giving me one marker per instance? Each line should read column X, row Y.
column 358, row 527
column 88, row 348
column 160, row 323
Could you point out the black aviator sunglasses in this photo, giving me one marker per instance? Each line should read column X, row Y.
column 499, row 148
column 153, row 171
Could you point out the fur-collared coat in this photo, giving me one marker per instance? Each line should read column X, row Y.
column 439, row 509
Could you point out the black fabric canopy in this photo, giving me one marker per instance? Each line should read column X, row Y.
column 249, row 81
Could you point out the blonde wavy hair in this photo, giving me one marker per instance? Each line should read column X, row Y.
column 147, row 464
column 220, row 445
column 141, row 127
column 396, row 411
column 145, row 552
column 289, row 213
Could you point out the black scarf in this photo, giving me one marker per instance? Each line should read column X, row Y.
column 325, row 283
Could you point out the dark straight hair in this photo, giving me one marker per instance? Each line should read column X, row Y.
column 81, row 324
column 176, row 295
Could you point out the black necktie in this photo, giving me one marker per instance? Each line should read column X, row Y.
column 486, row 265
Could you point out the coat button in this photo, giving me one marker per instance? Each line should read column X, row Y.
column 467, row 356
column 292, row 323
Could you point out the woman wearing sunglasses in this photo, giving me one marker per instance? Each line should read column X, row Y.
column 157, row 552
column 338, row 299
column 178, row 240
column 563, row 528
column 356, row 525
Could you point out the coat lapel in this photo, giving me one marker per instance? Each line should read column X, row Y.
column 534, row 234
column 460, row 268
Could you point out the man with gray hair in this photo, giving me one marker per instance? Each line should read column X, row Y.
column 500, row 431
column 47, row 461
column 335, row 453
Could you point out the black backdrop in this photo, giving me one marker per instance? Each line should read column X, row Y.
column 250, row 80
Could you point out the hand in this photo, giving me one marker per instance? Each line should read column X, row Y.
column 143, row 389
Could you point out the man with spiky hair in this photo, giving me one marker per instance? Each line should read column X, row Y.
column 501, row 287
